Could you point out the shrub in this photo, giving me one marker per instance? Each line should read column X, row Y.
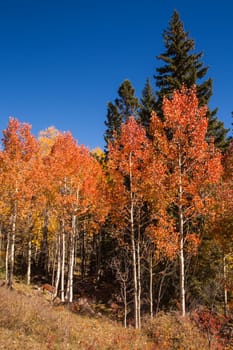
column 174, row 332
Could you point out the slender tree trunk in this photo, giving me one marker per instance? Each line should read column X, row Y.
column 12, row 247
column 76, row 250
column 133, row 246
column 54, row 262
column 63, row 262
column 151, row 283
column 125, row 303
column 225, row 288
column 83, row 251
column 182, row 273
column 139, row 277
column 50, row 259
column 160, row 290
column 29, row 258
column 12, row 260
column 58, row 272
column 135, row 278
column 71, row 261
column 181, row 240
column 36, row 254
column 99, row 256
column 68, row 280
column 7, row 257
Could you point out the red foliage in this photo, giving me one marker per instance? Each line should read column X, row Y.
column 216, row 326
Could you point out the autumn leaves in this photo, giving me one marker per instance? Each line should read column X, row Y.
column 153, row 190
column 170, row 173
column 44, row 193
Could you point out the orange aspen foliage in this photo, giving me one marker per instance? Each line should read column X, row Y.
column 128, row 159
column 127, row 162
column 76, row 192
column 192, row 167
column 192, row 164
column 222, row 220
column 137, row 174
column 77, row 178
column 17, row 190
column 18, row 162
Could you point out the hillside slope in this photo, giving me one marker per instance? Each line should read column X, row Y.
column 30, row 321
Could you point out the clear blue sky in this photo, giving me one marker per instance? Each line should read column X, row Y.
column 62, row 61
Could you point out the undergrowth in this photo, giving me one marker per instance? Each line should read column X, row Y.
column 29, row 321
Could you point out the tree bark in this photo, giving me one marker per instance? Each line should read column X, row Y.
column 133, row 246
column 83, row 250
column 12, row 246
column 71, row 261
column 139, row 277
column 58, row 272
column 63, row 262
column 225, row 288
column 29, row 258
column 7, row 257
column 151, row 283
column 181, row 239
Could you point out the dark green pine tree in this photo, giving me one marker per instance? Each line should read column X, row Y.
column 184, row 67
column 147, row 105
column 230, row 137
column 123, row 107
column 113, row 122
column 217, row 130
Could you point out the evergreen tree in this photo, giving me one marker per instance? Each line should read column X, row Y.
column 216, row 129
column 148, row 104
column 118, row 112
column 113, row 122
column 184, row 67
column 230, row 137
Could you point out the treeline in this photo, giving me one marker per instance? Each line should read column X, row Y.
column 153, row 212
column 138, row 215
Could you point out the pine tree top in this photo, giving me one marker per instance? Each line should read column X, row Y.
column 183, row 66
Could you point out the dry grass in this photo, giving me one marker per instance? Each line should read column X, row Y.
column 30, row 322
column 174, row 332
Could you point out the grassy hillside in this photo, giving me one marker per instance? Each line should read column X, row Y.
column 29, row 321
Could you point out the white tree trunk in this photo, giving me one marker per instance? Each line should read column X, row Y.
column 225, row 288
column 58, row 272
column 12, row 260
column 71, row 261
column 139, row 280
column 181, row 240
column 7, row 257
column 29, row 258
column 151, row 284
column 125, row 304
column 63, row 263
column 134, row 274
column 133, row 246
column 182, row 273
column 12, row 248
column 54, row 262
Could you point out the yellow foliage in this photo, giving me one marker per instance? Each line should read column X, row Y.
column 46, row 139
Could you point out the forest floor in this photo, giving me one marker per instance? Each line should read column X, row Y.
column 29, row 320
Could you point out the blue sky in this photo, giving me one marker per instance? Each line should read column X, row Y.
column 61, row 62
